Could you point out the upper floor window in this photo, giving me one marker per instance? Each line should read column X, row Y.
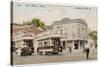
column 61, row 32
column 45, row 43
column 65, row 35
column 78, row 34
column 40, row 44
column 58, row 27
column 73, row 35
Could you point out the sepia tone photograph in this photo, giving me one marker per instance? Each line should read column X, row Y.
column 49, row 33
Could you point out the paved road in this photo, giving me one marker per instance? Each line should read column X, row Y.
column 34, row 59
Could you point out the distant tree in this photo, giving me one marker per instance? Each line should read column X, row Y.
column 37, row 22
column 93, row 35
column 43, row 26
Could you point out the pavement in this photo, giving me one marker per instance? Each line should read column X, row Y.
column 63, row 57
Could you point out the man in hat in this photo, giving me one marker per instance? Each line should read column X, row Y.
column 87, row 50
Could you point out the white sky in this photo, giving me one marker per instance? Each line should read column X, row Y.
column 50, row 13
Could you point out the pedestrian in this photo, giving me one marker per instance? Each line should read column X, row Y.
column 70, row 50
column 93, row 48
column 18, row 51
column 87, row 50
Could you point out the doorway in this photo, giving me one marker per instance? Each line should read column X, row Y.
column 76, row 44
column 29, row 43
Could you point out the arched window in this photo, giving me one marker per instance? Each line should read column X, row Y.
column 40, row 44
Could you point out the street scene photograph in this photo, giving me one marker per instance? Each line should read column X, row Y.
column 49, row 33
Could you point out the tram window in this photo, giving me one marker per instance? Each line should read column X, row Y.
column 45, row 43
column 40, row 44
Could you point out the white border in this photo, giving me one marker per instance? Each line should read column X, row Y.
column 53, row 3
column 5, row 33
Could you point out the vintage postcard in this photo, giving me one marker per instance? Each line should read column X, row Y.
column 48, row 33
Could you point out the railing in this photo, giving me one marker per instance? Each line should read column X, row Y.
column 49, row 47
column 46, row 47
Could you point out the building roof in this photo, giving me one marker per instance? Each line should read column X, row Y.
column 49, row 36
column 19, row 29
column 50, row 27
column 68, row 20
column 24, row 36
column 27, row 28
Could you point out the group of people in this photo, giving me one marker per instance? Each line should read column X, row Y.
column 86, row 49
